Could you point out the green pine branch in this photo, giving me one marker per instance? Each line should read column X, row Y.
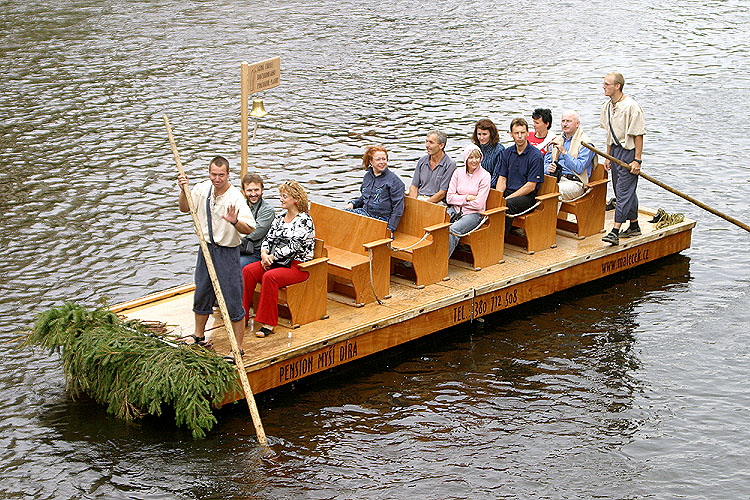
column 125, row 366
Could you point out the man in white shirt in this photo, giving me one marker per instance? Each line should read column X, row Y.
column 223, row 214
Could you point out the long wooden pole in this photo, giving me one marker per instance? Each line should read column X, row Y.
column 220, row 299
column 670, row 189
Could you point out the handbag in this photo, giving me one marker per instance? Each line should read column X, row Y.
column 281, row 263
column 455, row 215
column 247, row 247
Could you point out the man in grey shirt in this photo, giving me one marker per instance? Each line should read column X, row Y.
column 252, row 188
column 434, row 170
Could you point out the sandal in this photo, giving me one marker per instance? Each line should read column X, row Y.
column 201, row 341
column 230, row 359
column 263, row 332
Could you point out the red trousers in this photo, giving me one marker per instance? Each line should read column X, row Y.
column 270, row 282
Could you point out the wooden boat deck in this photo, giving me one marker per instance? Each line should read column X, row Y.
column 351, row 333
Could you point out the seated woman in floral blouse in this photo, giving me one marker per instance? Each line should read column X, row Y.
column 289, row 241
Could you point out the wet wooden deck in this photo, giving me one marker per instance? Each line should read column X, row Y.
column 351, row 333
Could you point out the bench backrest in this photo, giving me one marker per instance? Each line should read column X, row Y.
column 598, row 173
column 548, row 186
column 346, row 230
column 495, row 199
column 419, row 214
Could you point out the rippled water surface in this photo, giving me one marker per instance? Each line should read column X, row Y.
column 633, row 387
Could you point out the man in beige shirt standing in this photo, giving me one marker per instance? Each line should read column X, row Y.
column 223, row 214
column 622, row 119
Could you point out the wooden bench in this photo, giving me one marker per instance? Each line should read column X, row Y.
column 348, row 240
column 304, row 302
column 422, row 235
column 540, row 224
column 588, row 209
column 487, row 242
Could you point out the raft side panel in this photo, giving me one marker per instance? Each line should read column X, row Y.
column 347, row 348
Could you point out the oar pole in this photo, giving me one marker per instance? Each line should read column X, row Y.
column 669, row 188
column 220, row 299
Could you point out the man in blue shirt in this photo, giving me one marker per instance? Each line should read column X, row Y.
column 568, row 160
column 520, row 171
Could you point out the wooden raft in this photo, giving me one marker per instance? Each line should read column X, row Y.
column 352, row 333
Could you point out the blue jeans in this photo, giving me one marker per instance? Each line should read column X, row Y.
column 362, row 211
column 462, row 226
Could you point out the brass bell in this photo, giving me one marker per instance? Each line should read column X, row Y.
column 258, row 110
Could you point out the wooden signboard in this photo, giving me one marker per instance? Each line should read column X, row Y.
column 262, row 75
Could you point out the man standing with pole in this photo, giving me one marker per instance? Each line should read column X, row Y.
column 214, row 282
column 622, row 118
column 223, row 214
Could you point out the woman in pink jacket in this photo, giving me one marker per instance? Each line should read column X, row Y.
column 467, row 195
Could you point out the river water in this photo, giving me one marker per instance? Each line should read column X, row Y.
column 632, row 387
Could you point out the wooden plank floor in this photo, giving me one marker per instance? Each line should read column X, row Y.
column 407, row 301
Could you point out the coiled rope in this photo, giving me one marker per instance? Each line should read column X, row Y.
column 372, row 283
column 585, row 192
column 663, row 219
column 393, row 249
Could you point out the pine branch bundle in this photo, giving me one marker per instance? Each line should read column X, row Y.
column 124, row 366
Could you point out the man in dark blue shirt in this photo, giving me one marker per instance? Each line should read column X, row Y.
column 520, row 170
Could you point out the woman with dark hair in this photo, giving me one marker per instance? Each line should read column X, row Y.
column 289, row 241
column 488, row 139
column 382, row 191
